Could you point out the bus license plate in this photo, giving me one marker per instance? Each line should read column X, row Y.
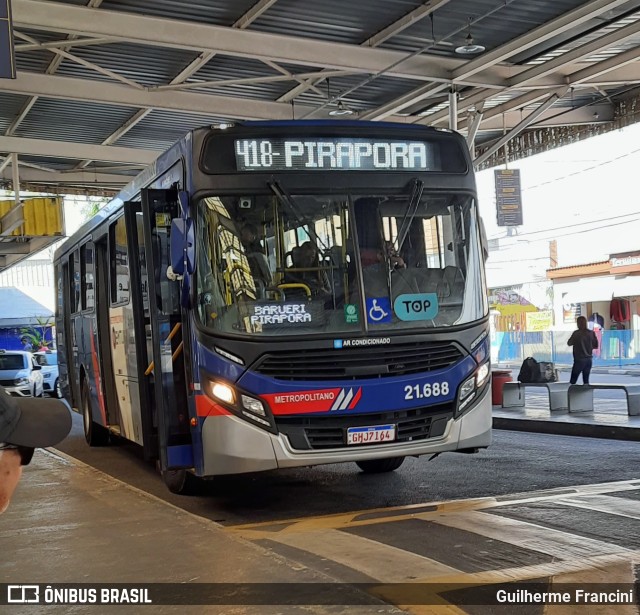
column 367, row 435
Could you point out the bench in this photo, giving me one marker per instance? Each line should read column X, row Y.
column 513, row 394
column 581, row 396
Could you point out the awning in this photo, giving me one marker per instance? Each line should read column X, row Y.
column 627, row 286
column 602, row 288
column 586, row 290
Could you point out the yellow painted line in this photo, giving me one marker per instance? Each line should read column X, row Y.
column 556, row 543
column 377, row 560
column 264, row 530
column 338, row 521
column 523, row 573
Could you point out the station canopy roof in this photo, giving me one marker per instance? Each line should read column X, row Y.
column 104, row 86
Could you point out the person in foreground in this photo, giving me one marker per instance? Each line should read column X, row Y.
column 26, row 423
column 584, row 342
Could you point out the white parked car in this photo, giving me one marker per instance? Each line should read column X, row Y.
column 48, row 360
column 20, row 374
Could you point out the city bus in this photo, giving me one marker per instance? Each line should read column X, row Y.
column 273, row 295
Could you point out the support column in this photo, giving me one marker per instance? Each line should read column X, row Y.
column 453, row 109
column 15, row 175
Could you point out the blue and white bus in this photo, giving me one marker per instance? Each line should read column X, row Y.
column 281, row 294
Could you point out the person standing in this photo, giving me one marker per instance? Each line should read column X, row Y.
column 584, row 342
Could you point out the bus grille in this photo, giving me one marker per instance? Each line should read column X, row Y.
column 356, row 363
column 323, row 432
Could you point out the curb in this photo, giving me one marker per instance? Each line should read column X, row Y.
column 558, row 428
column 616, row 371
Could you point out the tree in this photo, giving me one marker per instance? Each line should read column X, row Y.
column 37, row 334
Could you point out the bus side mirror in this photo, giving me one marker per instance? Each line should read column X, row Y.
column 182, row 246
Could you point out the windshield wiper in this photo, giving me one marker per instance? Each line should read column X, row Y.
column 287, row 200
column 410, row 213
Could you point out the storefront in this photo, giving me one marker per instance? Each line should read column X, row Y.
column 607, row 293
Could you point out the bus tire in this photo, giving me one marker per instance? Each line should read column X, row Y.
column 181, row 482
column 94, row 434
column 378, row 466
column 57, row 389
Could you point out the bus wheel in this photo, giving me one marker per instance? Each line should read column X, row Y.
column 181, row 482
column 377, row 466
column 94, row 434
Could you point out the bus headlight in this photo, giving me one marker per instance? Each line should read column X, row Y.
column 468, row 390
column 482, row 374
column 245, row 406
column 223, row 392
column 467, row 387
column 253, row 405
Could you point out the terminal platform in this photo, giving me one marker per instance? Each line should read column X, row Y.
column 608, row 420
column 70, row 523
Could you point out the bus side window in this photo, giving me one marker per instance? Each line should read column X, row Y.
column 86, row 277
column 119, row 259
column 74, row 286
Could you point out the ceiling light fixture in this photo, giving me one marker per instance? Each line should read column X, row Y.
column 470, row 48
column 341, row 110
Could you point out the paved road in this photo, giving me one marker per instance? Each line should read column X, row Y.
column 517, row 462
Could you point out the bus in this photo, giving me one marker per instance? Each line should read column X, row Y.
column 280, row 294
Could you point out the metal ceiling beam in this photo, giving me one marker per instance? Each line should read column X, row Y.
column 12, row 247
column 590, row 73
column 557, row 116
column 488, row 60
column 413, row 97
column 383, row 35
column 516, row 130
column 536, row 36
column 90, row 65
column 473, row 131
column 161, row 32
column 404, row 22
column 188, row 71
column 88, row 178
column 470, row 99
column 286, row 76
column 514, row 104
column 64, row 44
column 82, row 151
column 584, row 51
column 253, row 13
column 68, row 88
column 51, row 69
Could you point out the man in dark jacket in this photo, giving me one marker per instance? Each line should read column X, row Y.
column 583, row 341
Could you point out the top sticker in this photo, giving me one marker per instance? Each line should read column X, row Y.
column 423, row 306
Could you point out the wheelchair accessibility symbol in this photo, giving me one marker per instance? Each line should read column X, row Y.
column 379, row 310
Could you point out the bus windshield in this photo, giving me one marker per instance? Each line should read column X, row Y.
column 285, row 265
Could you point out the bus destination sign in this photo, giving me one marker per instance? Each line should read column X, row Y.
column 336, row 154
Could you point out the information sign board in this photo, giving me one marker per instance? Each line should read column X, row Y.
column 508, row 197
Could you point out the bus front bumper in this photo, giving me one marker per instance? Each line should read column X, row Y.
column 233, row 446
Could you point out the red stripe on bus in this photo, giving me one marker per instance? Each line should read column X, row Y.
column 356, row 399
column 96, row 371
column 207, row 407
